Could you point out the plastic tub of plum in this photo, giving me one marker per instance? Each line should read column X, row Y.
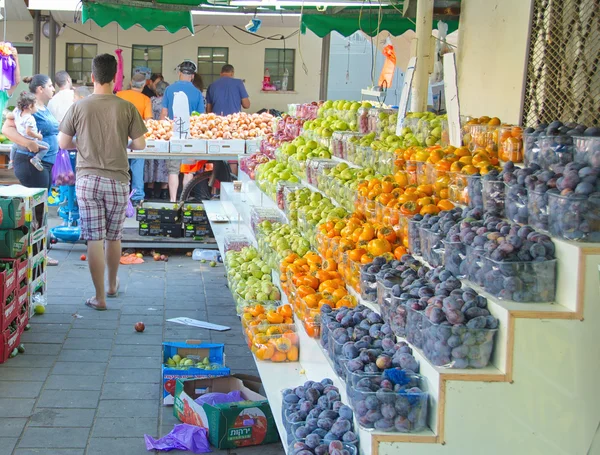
column 368, row 284
column 587, row 150
column 432, row 248
column 414, row 236
column 383, row 409
column 458, row 346
column 537, row 207
column 575, row 216
column 555, row 150
column 527, row 282
column 454, row 258
column 493, row 194
column 532, row 146
column 414, row 327
column 515, row 203
column 313, row 446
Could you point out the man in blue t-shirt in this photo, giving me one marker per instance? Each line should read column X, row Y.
column 186, row 69
column 227, row 95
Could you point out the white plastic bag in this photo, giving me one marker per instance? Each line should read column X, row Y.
column 206, row 255
column 181, row 115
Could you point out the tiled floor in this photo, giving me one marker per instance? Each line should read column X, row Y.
column 88, row 383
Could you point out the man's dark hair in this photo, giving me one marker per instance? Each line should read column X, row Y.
column 155, row 76
column 104, row 68
column 62, row 78
column 227, row 69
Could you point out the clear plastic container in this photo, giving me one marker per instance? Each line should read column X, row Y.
column 587, row 150
column 292, row 109
column 337, row 144
column 537, row 206
column 510, row 143
column 414, row 327
column 555, row 150
column 316, row 166
column 515, row 203
column 574, row 217
column 531, row 143
column 283, row 188
column 407, row 411
column 475, row 190
column 482, row 136
column 493, row 196
column 457, row 346
column 395, row 314
column 414, row 237
column 235, row 242
column 368, row 286
column 282, row 345
column 260, row 214
column 432, row 248
column 362, row 120
column 532, row 281
column 299, row 446
column 363, row 155
column 454, row 258
column 416, row 172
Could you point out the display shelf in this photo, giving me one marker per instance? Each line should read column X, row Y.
column 234, row 226
column 143, row 155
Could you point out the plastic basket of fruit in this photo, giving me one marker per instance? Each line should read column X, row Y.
column 278, row 343
column 587, row 149
column 336, row 421
column 383, row 409
column 416, row 172
column 537, row 208
column 510, row 143
column 531, row 146
column 414, row 236
column 282, row 187
column 235, row 243
column 368, row 284
column 414, row 326
column 457, row 188
column 432, row 248
column 493, row 192
column 515, row 203
column 575, row 216
column 321, row 447
column 454, row 258
column 555, row 150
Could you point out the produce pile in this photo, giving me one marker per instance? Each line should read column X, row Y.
column 418, row 229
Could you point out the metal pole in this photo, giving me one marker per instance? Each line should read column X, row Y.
column 36, row 43
column 424, row 21
column 52, row 57
column 325, row 52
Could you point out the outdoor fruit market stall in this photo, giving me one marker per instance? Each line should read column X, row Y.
column 418, row 277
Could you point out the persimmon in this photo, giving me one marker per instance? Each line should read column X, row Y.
column 356, row 254
column 409, row 208
column 399, row 252
column 265, row 352
column 292, row 336
column 310, row 281
column 293, row 353
column 274, row 318
column 303, row 291
column 378, row 247
column 387, row 233
column 278, row 356
column 445, row 204
column 339, row 293
column 312, row 300
column 430, row 209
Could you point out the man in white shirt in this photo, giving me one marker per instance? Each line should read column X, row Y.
column 64, row 97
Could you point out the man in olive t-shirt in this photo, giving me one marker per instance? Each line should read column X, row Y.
column 102, row 123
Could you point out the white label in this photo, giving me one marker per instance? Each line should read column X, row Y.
column 451, row 95
column 404, row 97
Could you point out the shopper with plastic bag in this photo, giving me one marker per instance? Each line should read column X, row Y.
column 102, row 183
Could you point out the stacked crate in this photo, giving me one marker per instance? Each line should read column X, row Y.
column 23, row 254
column 173, row 220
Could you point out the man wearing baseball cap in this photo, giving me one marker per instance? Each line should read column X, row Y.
column 186, row 70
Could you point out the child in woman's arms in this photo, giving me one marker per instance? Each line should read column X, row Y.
column 26, row 126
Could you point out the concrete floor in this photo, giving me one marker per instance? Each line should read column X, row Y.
column 88, row 383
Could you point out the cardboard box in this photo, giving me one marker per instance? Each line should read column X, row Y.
column 194, row 214
column 37, row 265
column 253, row 145
column 230, row 425
column 8, row 280
column 226, row 146
column 10, row 309
column 171, row 230
column 13, row 243
column 214, row 352
column 37, row 242
column 13, row 212
column 155, row 146
column 189, row 146
column 156, row 211
column 158, row 229
column 197, row 230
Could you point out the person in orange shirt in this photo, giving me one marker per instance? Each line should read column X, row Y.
column 144, row 106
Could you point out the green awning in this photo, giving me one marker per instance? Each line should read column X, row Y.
column 322, row 24
column 149, row 18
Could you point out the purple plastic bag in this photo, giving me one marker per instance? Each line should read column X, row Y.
column 130, row 211
column 234, row 396
column 62, row 172
column 181, row 437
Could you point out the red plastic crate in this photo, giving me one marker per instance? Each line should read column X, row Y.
column 22, row 266
column 9, row 342
column 9, row 312
column 8, row 281
column 23, row 300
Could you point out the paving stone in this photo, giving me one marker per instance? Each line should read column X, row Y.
column 139, row 375
column 124, row 427
column 69, row 399
column 83, row 355
column 183, row 303
column 10, row 428
column 23, row 374
column 199, row 315
column 62, row 417
column 132, row 391
column 128, row 408
column 73, row 438
column 7, row 445
column 60, row 318
column 167, row 418
column 110, row 315
column 134, row 362
column 43, row 349
column 16, row 407
column 92, row 333
column 49, row 452
column 33, row 336
column 114, row 446
column 85, row 323
column 131, row 350
column 52, row 328
column 139, row 338
column 149, row 309
column 87, row 343
column 15, row 389
column 268, row 449
column 79, row 368
column 28, row 360
column 59, row 382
